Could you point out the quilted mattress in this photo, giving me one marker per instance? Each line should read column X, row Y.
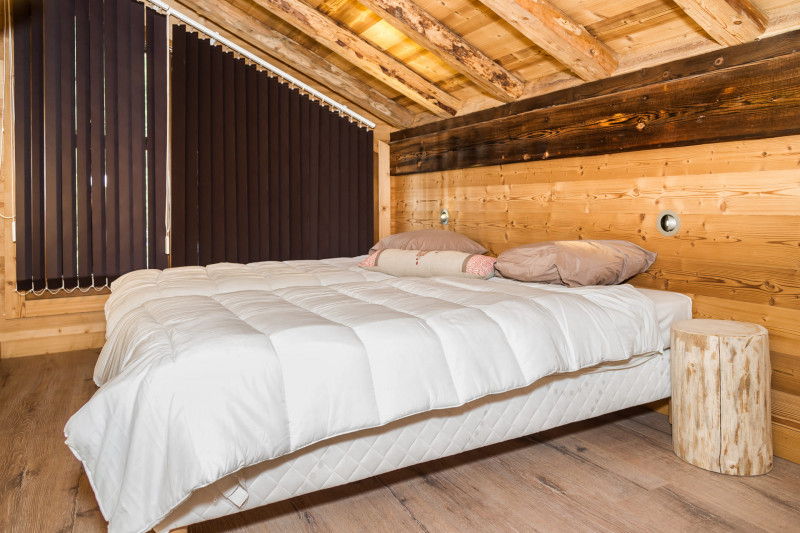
column 550, row 402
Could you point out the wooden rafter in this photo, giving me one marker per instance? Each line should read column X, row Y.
column 558, row 35
column 362, row 54
column 450, row 47
column 228, row 15
column 729, row 22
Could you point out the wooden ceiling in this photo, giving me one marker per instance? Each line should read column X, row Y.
column 409, row 62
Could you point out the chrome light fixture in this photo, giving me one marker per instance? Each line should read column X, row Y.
column 668, row 223
column 444, row 217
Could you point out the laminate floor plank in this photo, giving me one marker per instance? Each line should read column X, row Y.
column 40, row 476
column 614, row 473
column 605, row 446
column 370, row 507
column 449, row 495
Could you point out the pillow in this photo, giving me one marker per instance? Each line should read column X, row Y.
column 429, row 239
column 575, row 263
column 423, row 264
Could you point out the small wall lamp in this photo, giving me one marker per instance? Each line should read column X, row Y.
column 444, row 217
column 668, row 222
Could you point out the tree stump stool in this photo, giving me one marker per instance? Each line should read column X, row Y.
column 721, row 374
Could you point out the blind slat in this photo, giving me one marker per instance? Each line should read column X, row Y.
column 52, row 138
column 252, row 163
column 242, row 216
column 157, row 94
column 191, row 213
column 125, row 136
column 98, row 141
column 205, row 199
column 229, row 140
column 263, row 164
column 83, row 151
column 67, row 137
column 22, row 18
column 178, row 239
column 138, row 197
column 325, row 184
column 274, row 148
column 217, row 213
column 111, row 151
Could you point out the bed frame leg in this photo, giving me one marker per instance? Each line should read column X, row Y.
column 670, row 410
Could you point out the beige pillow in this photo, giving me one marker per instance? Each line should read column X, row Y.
column 429, row 239
column 575, row 263
column 422, row 264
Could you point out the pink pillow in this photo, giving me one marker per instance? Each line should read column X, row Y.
column 575, row 263
column 429, row 239
column 423, row 264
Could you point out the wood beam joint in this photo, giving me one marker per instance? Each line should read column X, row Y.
column 424, row 29
column 729, row 22
column 558, row 35
column 362, row 54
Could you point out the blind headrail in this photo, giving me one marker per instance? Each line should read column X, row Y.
column 255, row 59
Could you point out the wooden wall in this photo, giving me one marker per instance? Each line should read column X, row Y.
column 737, row 253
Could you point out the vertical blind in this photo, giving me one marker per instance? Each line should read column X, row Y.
column 90, row 110
column 260, row 171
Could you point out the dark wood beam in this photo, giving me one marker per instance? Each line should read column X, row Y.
column 779, row 45
column 729, row 22
column 418, row 25
column 745, row 102
column 362, row 54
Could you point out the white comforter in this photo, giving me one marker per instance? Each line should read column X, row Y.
column 198, row 386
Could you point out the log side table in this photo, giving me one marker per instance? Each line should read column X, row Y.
column 721, row 374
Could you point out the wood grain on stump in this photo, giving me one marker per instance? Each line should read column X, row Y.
column 721, row 396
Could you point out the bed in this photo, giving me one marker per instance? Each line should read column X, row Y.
column 233, row 386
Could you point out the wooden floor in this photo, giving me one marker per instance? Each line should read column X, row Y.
column 615, row 473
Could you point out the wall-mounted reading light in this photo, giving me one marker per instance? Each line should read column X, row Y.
column 444, row 217
column 668, row 222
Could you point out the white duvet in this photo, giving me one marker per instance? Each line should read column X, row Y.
column 197, row 386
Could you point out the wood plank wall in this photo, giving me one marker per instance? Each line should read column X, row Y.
column 737, row 253
column 35, row 325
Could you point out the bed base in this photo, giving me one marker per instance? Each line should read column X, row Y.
column 551, row 402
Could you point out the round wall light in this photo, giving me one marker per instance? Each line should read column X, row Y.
column 444, row 217
column 668, row 222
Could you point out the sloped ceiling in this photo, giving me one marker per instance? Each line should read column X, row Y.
column 408, row 62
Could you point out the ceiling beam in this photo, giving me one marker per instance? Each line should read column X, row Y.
column 558, row 35
column 287, row 51
column 419, row 26
column 363, row 55
column 729, row 22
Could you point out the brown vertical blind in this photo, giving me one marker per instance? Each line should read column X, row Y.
column 260, row 171
column 90, row 93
